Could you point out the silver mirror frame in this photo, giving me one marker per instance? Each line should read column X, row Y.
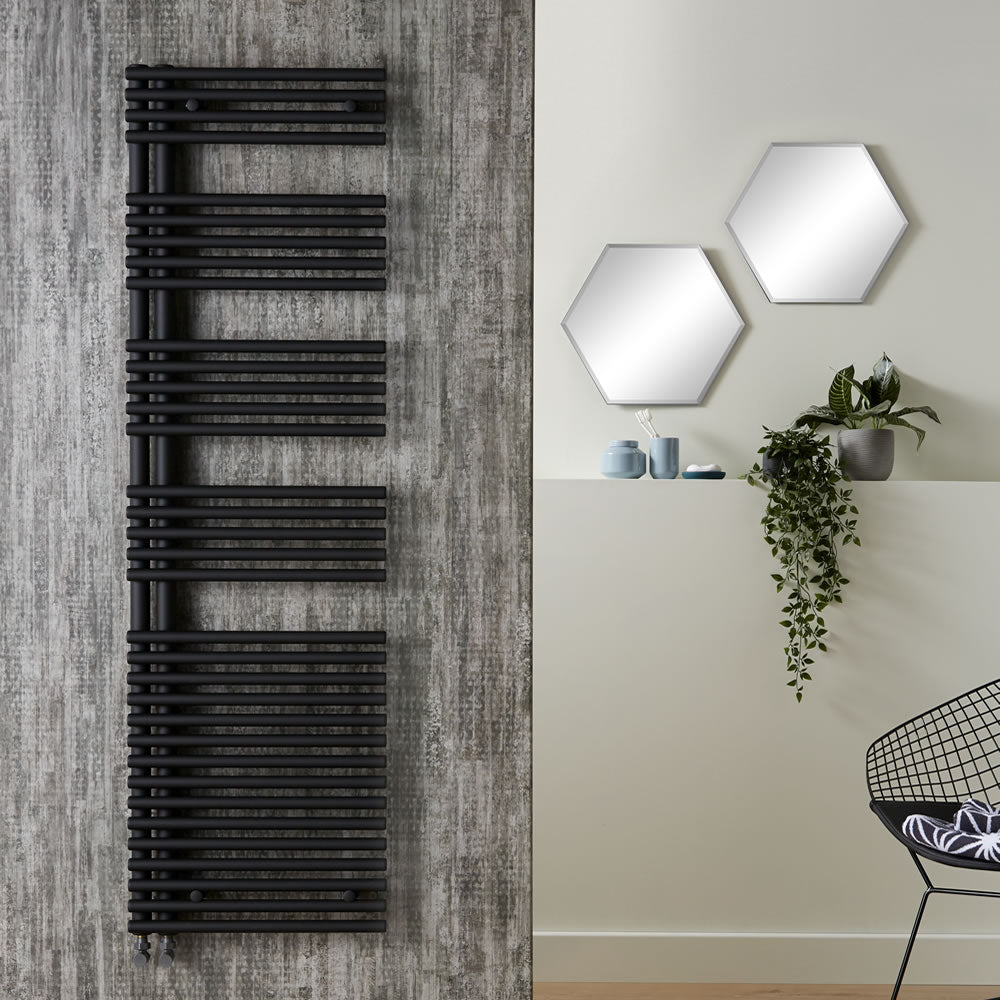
column 726, row 339
column 748, row 253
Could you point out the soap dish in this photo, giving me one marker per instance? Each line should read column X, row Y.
column 713, row 474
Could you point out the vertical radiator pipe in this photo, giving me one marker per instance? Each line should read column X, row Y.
column 139, row 593
column 163, row 183
column 163, row 446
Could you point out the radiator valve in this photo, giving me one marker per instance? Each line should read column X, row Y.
column 166, row 950
column 141, row 954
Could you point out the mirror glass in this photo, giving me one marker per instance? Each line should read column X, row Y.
column 816, row 222
column 653, row 324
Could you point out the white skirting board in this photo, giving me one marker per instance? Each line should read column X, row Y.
column 608, row 956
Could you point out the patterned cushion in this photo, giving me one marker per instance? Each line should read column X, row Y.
column 977, row 817
column 973, row 833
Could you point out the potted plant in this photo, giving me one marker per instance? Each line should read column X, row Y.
column 809, row 515
column 865, row 448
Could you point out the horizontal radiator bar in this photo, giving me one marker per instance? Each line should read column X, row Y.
column 248, row 926
column 247, row 388
column 257, row 346
column 243, row 760
column 273, row 885
column 176, row 386
column 255, row 740
column 273, row 719
column 242, row 637
column 231, row 552
column 266, row 906
column 203, row 512
column 220, row 429
column 304, row 864
column 261, row 137
column 258, row 221
column 269, row 242
column 226, row 199
column 233, row 263
column 310, row 802
column 255, row 656
column 257, row 409
column 260, row 284
column 180, row 105
column 259, row 781
column 255, row 699
column 259, row 823
column 261, row 575
column 272, row 367
column 251, row 95
column 341, row 75
column 273, row 117
column 174, row 227
column 257, row 843
column 211, row 794
column 158, row 559
column 296, row 678
column 279, row 492
column 270, row 534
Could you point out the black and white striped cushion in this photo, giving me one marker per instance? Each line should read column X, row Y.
column 973, row 833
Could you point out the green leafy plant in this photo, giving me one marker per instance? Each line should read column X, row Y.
column 877, row 395
column 809, row 515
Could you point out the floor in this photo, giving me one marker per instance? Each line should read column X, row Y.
column 732, row 991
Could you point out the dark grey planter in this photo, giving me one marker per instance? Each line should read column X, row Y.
column 773, row 465
column 866, row 453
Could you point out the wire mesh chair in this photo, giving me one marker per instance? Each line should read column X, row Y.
column 930, row 765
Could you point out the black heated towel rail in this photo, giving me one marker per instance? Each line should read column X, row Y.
column 257, row 760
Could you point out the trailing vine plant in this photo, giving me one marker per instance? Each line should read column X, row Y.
column 809, row 515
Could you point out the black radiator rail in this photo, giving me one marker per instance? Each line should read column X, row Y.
column 257, row 759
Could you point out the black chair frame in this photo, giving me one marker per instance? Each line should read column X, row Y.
column 930, row 765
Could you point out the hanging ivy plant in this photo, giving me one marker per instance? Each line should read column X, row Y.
column 809, row 515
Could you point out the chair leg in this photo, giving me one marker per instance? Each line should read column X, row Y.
column 909, row 944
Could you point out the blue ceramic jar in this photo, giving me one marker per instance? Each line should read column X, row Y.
column 623, row 460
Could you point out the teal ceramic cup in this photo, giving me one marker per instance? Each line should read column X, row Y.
column 663, row 458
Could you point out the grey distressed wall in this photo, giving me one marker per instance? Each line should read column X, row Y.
column 457, row 318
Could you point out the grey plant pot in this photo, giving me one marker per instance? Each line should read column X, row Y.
column 866, row 453
column 773, row 465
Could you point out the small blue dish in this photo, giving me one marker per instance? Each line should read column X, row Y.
column 704, row 475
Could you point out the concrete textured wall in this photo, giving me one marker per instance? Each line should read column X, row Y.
column 457, row 318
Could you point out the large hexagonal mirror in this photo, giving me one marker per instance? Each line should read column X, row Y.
column 816, row 222
column 653, row 324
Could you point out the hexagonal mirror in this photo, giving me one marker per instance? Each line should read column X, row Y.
column 816, row 222
column 652, row 324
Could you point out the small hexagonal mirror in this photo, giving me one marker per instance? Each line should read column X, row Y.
column 816, row 222
column 652, row 324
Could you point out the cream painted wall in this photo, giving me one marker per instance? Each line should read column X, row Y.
column 680, row 791
column 661, row 721
column 650, row 116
